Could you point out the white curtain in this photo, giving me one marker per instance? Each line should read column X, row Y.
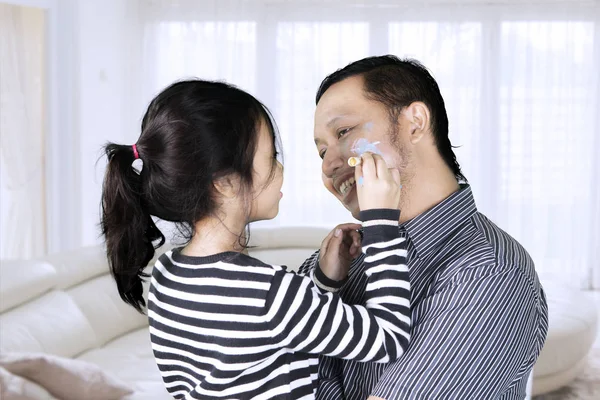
column 22, row 217
column 521, row 83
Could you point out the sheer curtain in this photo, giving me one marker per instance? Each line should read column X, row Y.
column 520, row 81
column 22, row 218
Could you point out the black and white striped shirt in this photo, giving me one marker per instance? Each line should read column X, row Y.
column 479, row 314
column 229, row 326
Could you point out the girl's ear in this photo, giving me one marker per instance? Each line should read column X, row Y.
column 228, row 186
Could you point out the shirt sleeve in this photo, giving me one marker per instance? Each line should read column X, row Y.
column 331, row 382
column 303, row 318
column 309, row 264
column 476, row 339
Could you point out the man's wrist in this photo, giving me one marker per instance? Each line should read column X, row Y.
column 326, row 283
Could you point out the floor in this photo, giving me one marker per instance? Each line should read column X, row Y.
column 587, row 386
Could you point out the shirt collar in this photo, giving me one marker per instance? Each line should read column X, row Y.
column 429, row 230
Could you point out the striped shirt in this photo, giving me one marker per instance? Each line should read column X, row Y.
column 229, row 326
column 479, row 314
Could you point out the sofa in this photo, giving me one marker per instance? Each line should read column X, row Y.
column 67, row 305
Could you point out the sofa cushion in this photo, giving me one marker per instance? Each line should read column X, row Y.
column 15, row 387
column 572, row 319
column 74, row 267
column 24, row 280
column 108, row 315
column 50, row 324
column 130, row 358
column 288, row 237
column 65, row 378
column 286, row 246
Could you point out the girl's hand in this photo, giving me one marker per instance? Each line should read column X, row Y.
column 377, row 186
column 338, row 250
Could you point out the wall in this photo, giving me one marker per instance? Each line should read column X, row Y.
column 107, row 51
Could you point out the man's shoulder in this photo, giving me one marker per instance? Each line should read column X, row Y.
column 482, row 249
column 508, row 251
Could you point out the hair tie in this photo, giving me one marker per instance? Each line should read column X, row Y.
column 136, row 155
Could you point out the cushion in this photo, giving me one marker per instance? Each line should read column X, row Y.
column 572, row 320
column 106, row 306
column 50, row 324
column 24, row 280
column 79, row 265
column 65, row 378
column 289, row 246
column 130, row 358
column 14, row 387
column 288, row 237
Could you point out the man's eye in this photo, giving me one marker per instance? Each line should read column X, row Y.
column 342, row 132
column 322, row 153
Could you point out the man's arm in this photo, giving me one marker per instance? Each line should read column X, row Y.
column 477, row 336
column 309, row 264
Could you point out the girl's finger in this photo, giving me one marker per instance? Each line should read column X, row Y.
column 369, row 171
column 380, row 166
column 358, row 174
column 396, row 176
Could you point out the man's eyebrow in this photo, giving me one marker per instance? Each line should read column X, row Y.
column 333, row 120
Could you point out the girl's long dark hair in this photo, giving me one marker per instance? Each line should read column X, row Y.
column 193, row 132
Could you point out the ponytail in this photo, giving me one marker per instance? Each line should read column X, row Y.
column 128, row 229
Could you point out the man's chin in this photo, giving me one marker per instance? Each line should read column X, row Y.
column 353, row 207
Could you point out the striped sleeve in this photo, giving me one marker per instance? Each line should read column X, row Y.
column 302, row 318
column 455, row 352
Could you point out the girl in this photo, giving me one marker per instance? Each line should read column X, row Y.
column 225, row 325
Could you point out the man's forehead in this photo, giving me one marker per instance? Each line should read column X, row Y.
column 341, row 95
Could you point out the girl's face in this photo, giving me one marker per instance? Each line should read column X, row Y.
column 266, row 191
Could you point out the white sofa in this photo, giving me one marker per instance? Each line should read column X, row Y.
column 67, row 305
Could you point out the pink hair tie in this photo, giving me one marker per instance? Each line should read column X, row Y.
column 136, row 155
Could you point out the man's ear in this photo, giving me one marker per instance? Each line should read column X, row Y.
column 227, row 186
column 418, row 116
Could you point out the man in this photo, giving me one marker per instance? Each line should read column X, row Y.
column 479, row 313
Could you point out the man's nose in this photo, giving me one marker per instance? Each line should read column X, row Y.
column 332, row 161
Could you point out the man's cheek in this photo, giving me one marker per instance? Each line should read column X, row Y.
column 389, row 155
column 328, row 183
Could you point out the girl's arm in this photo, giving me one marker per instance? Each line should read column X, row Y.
column 302, row 318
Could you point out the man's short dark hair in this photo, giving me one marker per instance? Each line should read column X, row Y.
column 396, row 83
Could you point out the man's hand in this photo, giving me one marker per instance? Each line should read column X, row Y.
column 338, row 250
column 374, row 398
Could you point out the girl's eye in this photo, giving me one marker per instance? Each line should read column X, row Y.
column 322, row 153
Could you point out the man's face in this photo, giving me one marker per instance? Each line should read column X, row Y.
column 343, row 116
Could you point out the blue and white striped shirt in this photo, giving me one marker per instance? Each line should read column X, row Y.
column 478, row 310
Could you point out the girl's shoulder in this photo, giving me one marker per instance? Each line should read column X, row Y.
column 229, row 259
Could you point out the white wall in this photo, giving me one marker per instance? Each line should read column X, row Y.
column 107, row 44
column 94, row 45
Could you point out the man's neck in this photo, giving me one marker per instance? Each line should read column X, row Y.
column 425, row 190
